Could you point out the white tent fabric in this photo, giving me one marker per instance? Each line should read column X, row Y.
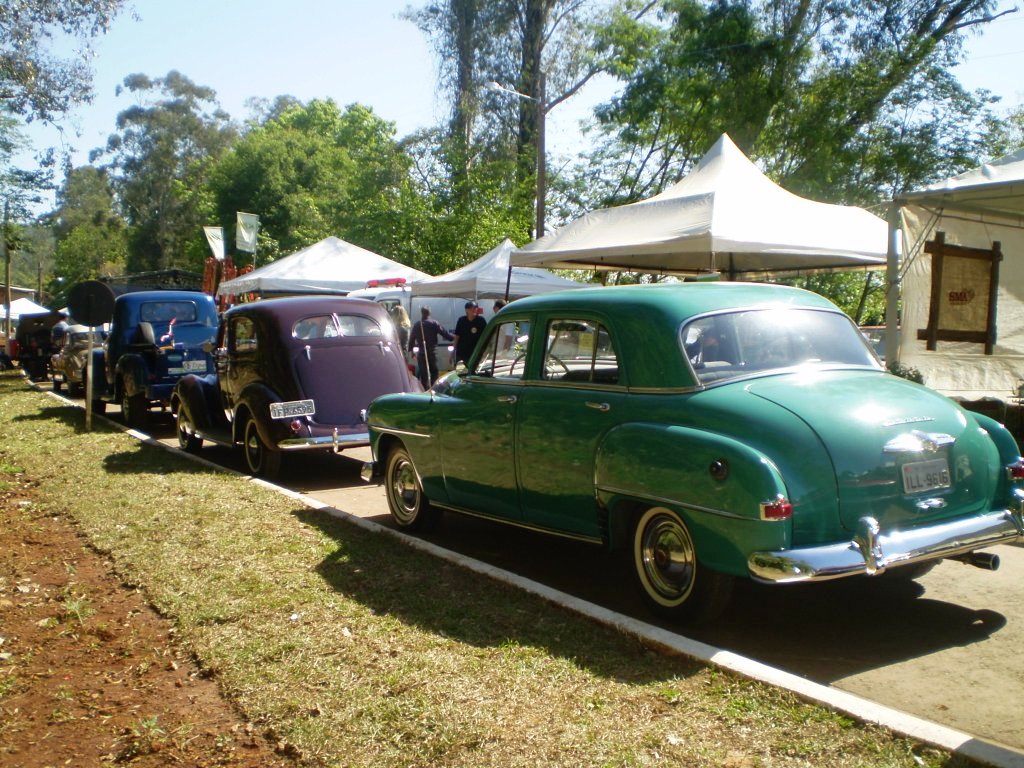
column 21, row 307
column 724, row 216
column 974, row 209
column 487, row 277
column 330, row 266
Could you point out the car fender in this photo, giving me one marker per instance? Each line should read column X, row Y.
column 133, row 371
column 256, row 399
column 715, row 482
column 200, row 397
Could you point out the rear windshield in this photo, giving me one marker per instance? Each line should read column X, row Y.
column 165, row 311
column 736, row 344
column 329, row 326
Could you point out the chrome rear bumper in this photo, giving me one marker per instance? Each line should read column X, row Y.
column 871, row 552
column 333, row 442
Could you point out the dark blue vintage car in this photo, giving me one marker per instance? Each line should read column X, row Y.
column 292, row 374
column 155, row 338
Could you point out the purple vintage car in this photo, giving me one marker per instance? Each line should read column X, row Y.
column 292, row 374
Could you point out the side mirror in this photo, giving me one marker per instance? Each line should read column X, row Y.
column 461, row 369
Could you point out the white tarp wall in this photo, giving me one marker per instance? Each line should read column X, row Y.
column 974, row 209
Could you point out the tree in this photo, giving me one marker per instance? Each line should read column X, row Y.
column 33, row 82
column 90, row 237
column 20, row 191
column 839, row 100
column 160, row 157
column 315, row 170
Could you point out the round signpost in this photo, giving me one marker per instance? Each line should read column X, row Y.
column 90, row 303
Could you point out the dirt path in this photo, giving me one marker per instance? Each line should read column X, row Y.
column 89, row 674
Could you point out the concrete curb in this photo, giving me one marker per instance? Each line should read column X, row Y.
column 925, row 731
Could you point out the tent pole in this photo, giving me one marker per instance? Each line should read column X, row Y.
column 892, row 280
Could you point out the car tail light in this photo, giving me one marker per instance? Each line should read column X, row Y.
column 296, row 425
column 1015, row 471
column 780, row 509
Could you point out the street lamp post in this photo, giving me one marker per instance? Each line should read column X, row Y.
column 539, row 100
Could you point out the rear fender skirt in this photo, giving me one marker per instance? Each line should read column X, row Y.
column 715, row 482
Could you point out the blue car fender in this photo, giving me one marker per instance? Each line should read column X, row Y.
column 133, row 371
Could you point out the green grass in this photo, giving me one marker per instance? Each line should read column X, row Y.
column 355, row 650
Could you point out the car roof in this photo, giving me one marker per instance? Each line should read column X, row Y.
column 645, row 318
column 680, row 300
column 288, row 310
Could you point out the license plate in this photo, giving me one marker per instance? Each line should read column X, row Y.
column 195, row 365
column 293, row 408
column 921, row 476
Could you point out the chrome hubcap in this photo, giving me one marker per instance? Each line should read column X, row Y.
column 405, row 491
column 668, row 557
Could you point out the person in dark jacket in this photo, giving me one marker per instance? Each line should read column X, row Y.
column 468, row 332
column 423, row 343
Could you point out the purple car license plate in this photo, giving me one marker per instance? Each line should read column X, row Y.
column 922, row 476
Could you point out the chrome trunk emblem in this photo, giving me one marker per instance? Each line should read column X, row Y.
column 918, row 442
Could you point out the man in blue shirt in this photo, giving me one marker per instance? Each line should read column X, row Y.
column 467, row 332
column 423, row 343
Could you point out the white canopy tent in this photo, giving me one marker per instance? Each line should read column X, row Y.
column 973, row 210
column 488, row 277
column 724, row 216
column 21, row 307
column 330, row 266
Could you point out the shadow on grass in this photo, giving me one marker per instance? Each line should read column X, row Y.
column 445, row 599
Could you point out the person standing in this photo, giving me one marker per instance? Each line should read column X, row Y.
column 402, row 324
column 467, row 332
column 423, row 342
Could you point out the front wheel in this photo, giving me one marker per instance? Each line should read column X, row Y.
column 673, row 581
column 261, row 460
column 188, row 440
column 408, row 504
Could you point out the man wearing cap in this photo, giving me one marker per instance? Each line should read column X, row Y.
column 467, row 332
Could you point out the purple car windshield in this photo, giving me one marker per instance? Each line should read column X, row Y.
column 732, row 345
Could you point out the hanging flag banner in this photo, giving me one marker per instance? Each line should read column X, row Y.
column 215, row 237
column 246, row 229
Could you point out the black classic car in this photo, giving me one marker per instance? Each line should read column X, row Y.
column 292, row 374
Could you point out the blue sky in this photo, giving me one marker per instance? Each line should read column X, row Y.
column 356, row 51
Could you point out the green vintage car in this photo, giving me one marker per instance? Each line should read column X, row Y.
column 709, row 430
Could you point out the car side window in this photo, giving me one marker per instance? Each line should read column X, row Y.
column 504, row 356
column 242, row 339
column 358, row 325
column 579, row 351
column 316, row 327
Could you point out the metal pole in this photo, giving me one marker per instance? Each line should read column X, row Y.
column 541, row 159
column 892, row 289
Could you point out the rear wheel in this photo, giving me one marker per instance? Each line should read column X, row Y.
column 409, row 506
column 259, row 458
column 134, row 408
column 188, row 440
column 669, row 573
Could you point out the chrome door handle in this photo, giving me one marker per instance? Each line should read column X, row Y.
column 602, row 407
column 507, row 399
